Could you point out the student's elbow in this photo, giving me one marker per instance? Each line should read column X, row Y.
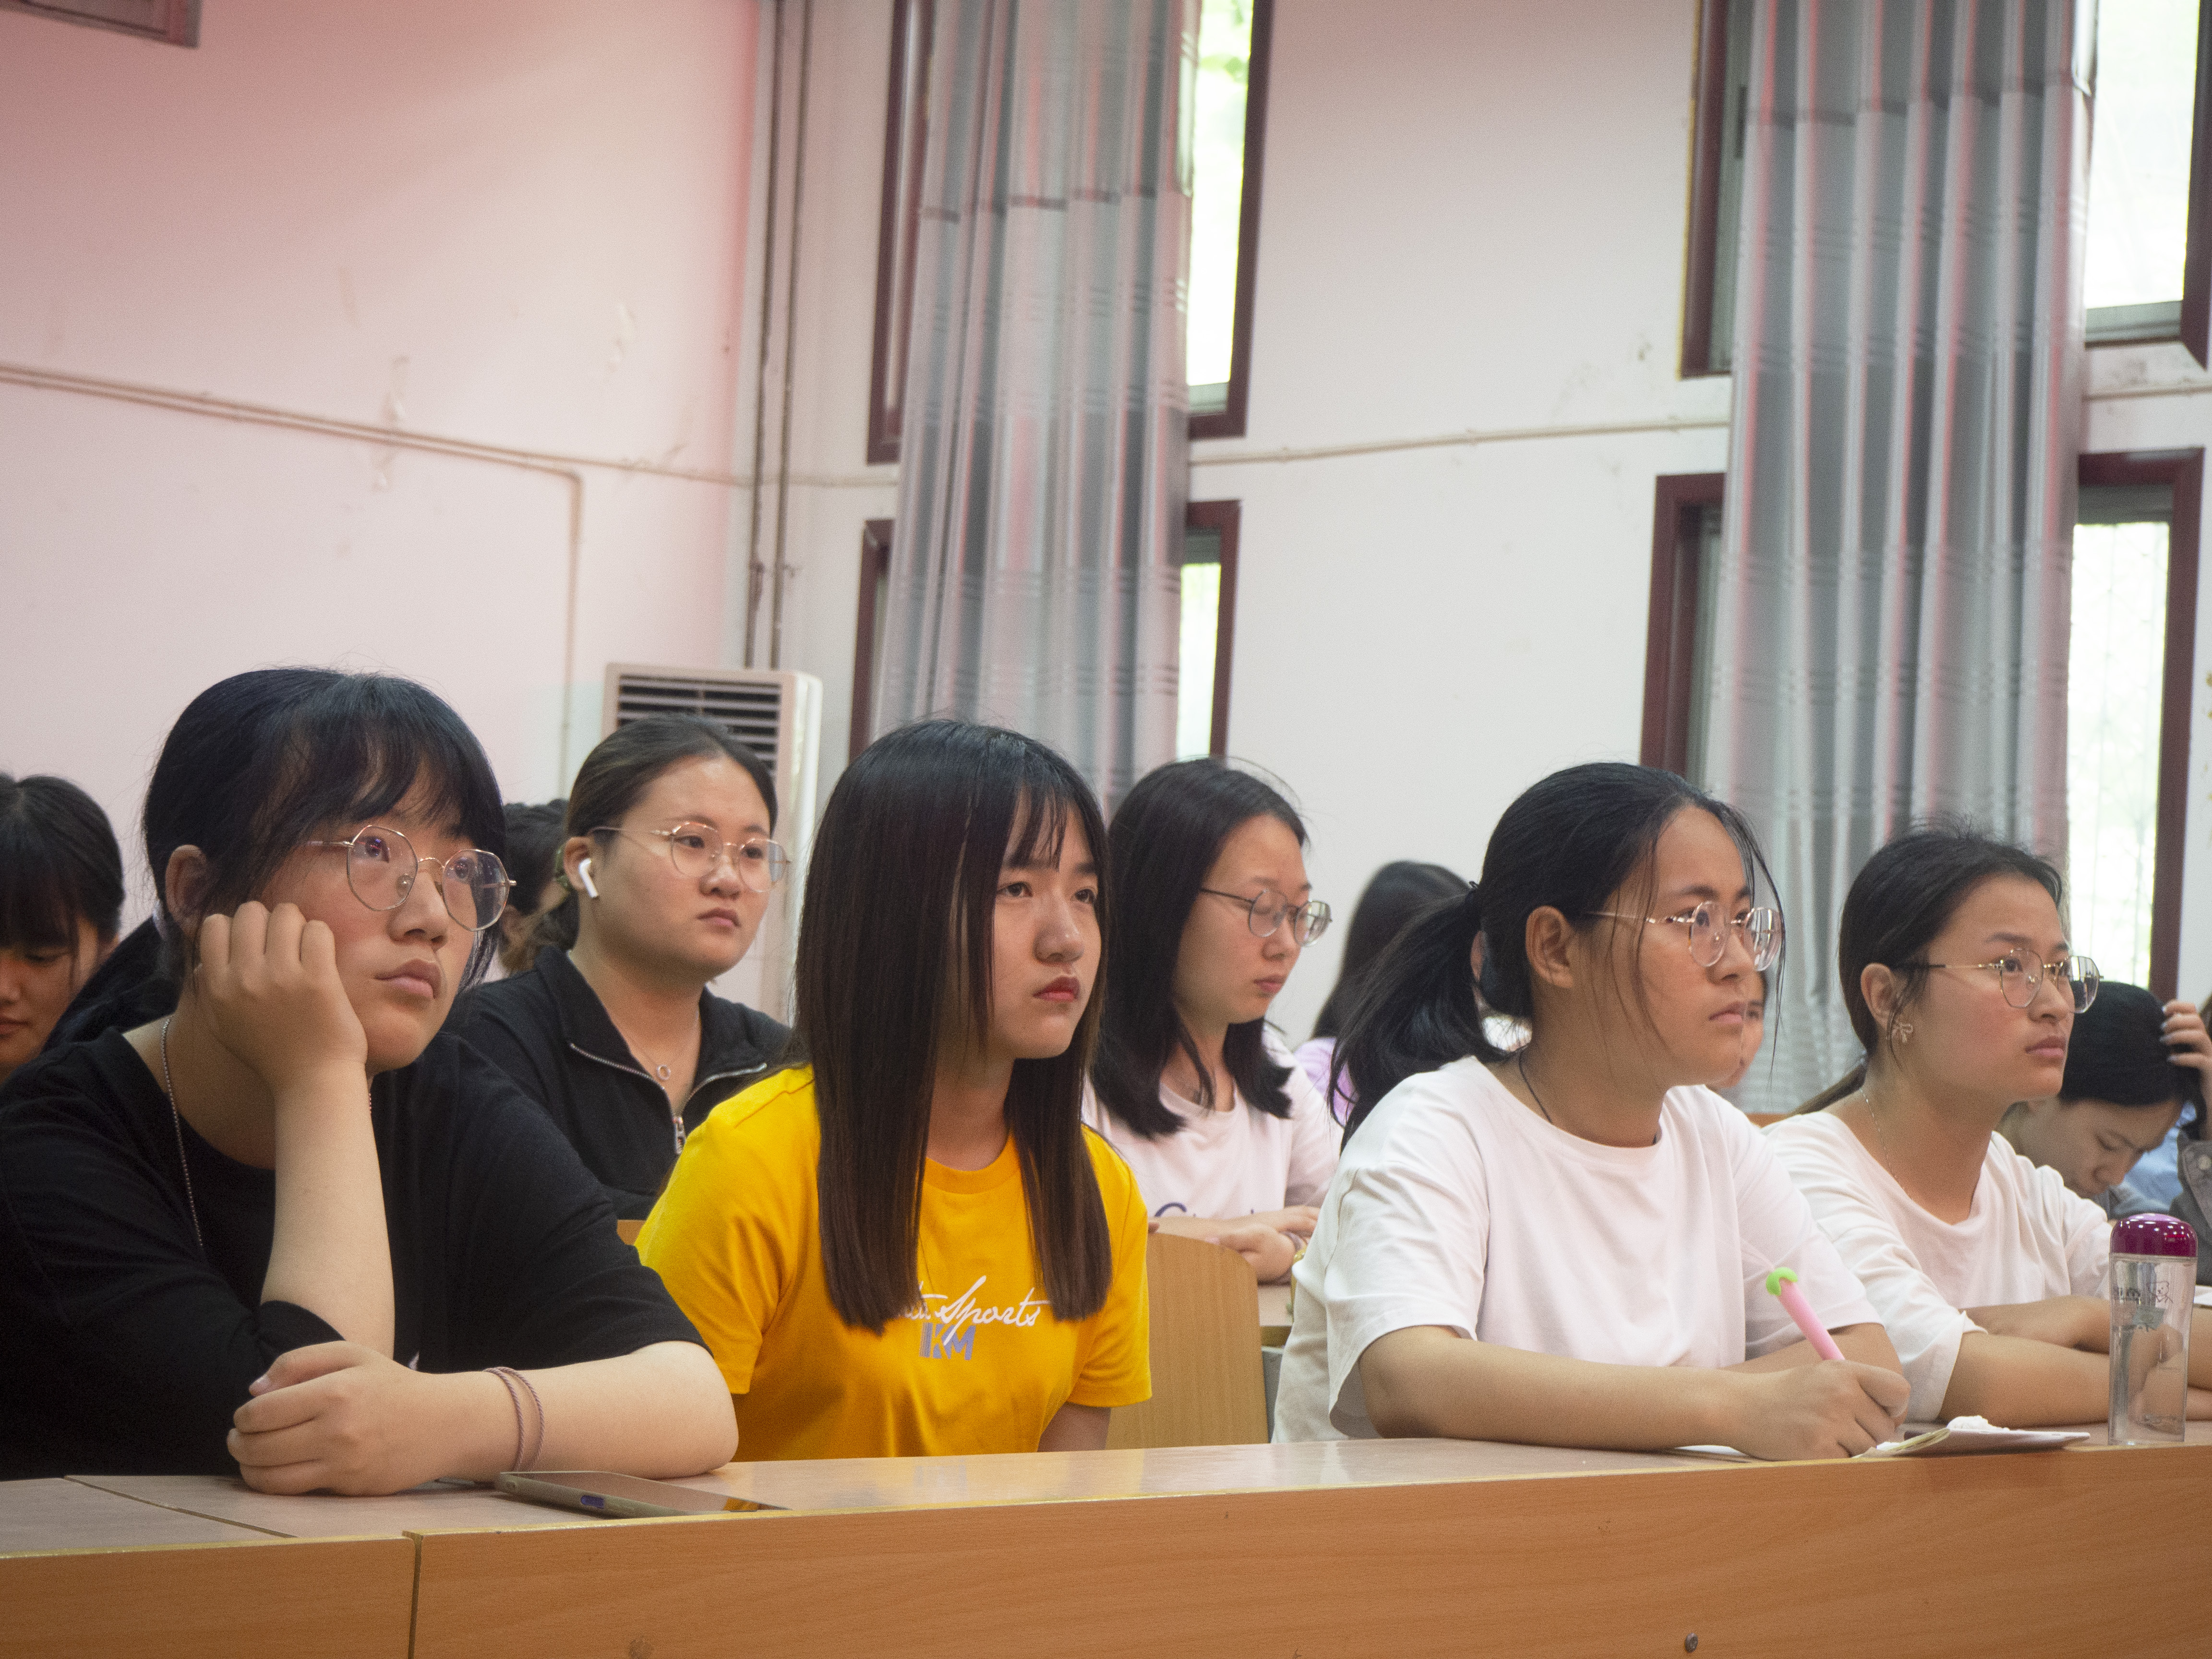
column 1393, row 1377
column 710, row 1414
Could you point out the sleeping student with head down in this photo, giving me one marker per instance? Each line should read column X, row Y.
column 294, row 1229
column 1568, row 1244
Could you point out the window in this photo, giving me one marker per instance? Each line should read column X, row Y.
column 2132, row 650
column 1686, row 535
column 1209, row 614
column 1228, row 124
column 175, row 22
column 2131, row 657
column 2140, row 154
column 2148, row 270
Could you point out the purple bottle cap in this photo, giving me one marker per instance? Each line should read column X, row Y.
column 2154, row 1235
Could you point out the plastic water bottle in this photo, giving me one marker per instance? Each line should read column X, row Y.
column 2154, row 1274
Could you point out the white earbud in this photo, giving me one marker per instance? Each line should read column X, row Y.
column 584, row 875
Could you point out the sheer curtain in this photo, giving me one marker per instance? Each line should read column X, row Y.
column 1044, row 465
column 1889, row 629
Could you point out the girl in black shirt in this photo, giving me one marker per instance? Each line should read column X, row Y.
column 289, row 1228
column 668, row 863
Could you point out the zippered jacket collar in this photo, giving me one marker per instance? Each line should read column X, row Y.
column 728, row 1049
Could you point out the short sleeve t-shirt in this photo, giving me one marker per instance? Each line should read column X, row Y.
column 1234, row 1163
column 2026, row 1239
column 131, row 1320
column 1455, row 1206
column 982, row 1367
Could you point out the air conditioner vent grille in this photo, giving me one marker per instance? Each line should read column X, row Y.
column 752, row 711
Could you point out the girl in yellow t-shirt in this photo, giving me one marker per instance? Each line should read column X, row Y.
column 912, row 1245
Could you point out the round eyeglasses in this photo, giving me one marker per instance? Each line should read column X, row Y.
column 381, row 865
column 2020, row 979
column 1267, row 910
column 1761, row 928
column 695, row 850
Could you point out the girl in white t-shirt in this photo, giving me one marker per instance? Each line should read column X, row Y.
column 1569, row 1245
column 1228, row 1139
column 1989, row 1273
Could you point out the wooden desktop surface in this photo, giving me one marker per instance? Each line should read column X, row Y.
column 1403, row 1547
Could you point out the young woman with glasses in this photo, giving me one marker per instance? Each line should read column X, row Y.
column 907, row 1245
column 292, row 1230
column 1962, row 988
column 668, row 864
column 1568, row 1244
column 1230, row 1139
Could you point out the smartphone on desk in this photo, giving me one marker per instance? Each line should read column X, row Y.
column 624, row 1497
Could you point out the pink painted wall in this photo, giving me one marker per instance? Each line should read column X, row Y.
column 518, row 224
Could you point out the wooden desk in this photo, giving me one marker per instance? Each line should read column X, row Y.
column 85, row 1571
column 1400, row 1547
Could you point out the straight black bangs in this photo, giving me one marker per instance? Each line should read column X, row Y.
column 59, row 865
column 38, row 908
column 266, row 760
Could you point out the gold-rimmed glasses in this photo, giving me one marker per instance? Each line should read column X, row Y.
column 2019, row 979
column 1267, row 910
column 1761, row 928
column 695, row 849
column 381, row 865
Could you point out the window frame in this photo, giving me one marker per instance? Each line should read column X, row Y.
column 906, row 136
column 1222, row 518
column 875, row 566
column 1670, row 640
column 1701, row 268
column 2182, row 471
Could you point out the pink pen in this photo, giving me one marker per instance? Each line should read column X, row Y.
column 1781, row 1285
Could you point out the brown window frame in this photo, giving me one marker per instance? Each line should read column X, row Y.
column 177, row 22
column 1670, row 640
column 875, row 565
column 2182, row 471
column 1708, row 134
column 1671, row 634
column 906, row 136
column 1222, row 518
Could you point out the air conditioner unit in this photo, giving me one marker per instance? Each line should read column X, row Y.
column 777, row 715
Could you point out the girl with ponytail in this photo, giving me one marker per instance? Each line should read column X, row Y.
column 1568, row 1244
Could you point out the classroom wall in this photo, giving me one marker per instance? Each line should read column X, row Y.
column 1472, row 222
column 516, row 225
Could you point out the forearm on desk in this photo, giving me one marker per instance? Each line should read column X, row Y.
column 662, row 1411
column 1427, row 1381
column 1868, row 1344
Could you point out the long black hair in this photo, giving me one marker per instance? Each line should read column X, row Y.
column 59, row 865
column 2117, row 1053
column 897, row 938
column 1394, row 896
column 1571, row 843
column 1166, row 835
column 1903, row 897
column 622, row 767
column 265, row 759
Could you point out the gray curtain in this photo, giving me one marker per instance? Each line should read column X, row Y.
column 1889, row 617
column 1044, row 458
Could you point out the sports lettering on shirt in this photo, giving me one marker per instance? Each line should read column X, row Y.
column 948, row 1324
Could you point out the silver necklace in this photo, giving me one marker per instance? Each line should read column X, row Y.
column 176, row 1122
column 664, row 1072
